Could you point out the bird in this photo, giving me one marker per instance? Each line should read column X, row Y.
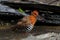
column 26, row 24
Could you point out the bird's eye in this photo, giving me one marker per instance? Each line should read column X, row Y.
column 35, row 13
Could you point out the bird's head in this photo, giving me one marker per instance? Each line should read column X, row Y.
column 35, row 13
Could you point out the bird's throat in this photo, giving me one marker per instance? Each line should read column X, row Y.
column 32, row 19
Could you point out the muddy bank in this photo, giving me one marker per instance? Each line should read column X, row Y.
column 38, row 33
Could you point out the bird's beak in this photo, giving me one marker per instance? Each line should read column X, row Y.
column 40, row 18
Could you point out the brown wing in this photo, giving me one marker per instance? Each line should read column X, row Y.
column 24, row 21
column 23, row 25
